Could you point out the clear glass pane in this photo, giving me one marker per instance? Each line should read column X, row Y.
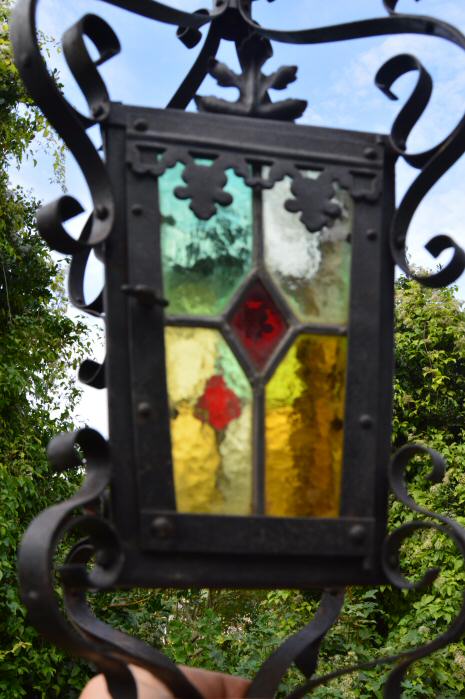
column 211, row 426
column 203, row 261
column 311, row 269
column 304, row 429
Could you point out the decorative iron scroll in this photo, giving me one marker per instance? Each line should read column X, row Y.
column 391, row 554
column 84, row 635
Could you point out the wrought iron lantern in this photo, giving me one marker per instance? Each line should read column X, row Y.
column 248, row 305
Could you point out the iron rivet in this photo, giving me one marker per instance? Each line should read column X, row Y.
column 162, row 527
column 33, row 594
column 101, row 212
column 370, row 153
column 366, row 421
column 372, row 234
column 144, row 409
column 140, row 125
column 137, row 209
column 357, row 533
column 97, row 110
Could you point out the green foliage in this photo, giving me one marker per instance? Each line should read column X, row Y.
column 430, row 369
column 39, row 347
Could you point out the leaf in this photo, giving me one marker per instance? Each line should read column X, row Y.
column 283, row 77
column 224, row 75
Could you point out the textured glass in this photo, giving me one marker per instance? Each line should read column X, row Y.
column 258, row 323
column 311, row 269
column 203, row 261
column 211, row 426
column 304, row 429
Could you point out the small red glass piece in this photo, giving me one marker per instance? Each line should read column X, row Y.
column 218, row 405
column 258, row 323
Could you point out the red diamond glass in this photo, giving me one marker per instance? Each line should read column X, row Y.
column 258, row 324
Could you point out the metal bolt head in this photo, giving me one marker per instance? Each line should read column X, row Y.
column 162, row 527
column 366, row 422
column 357, row 533
column 371, row 234
column 370, row 153
column 144, row 409
column 97, row 111
column 137, row 209
column 101, row 212
column 140, row 125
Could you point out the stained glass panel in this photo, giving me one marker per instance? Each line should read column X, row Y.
column 304, row 429
column 203, row 261
column 211, row 426
column 258, row 323
column 311, row 269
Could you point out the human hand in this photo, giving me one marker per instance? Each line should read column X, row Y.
column 212, row 685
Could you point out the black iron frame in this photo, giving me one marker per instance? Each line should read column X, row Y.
column 117, row 551
column 254, row 551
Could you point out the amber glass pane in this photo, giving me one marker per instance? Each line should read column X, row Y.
column 211, row 426
column 304, row 429
column 203, row 261
column 258, row 323
column 311, row 269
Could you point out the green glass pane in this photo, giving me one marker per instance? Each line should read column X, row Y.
column 211, row 426
column 203, row 261
column 311, row 269
column 304, row 429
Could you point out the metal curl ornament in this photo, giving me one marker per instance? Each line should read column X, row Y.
column 435, row 162
column 391, row 548
column 39, row 546
column 127, row 649
column 67, row 121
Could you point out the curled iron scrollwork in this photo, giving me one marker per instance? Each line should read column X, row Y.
column 391, row 562
column 81, row 634
column 435, row 162
column 39, row 547
column 70, row 124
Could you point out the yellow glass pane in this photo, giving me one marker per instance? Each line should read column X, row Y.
column 211, row 426
column 304, row 429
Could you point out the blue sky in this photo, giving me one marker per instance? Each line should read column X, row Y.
column 336, row 79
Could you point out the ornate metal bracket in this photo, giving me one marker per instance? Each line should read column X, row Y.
column 83, row 635
column 312, row 197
